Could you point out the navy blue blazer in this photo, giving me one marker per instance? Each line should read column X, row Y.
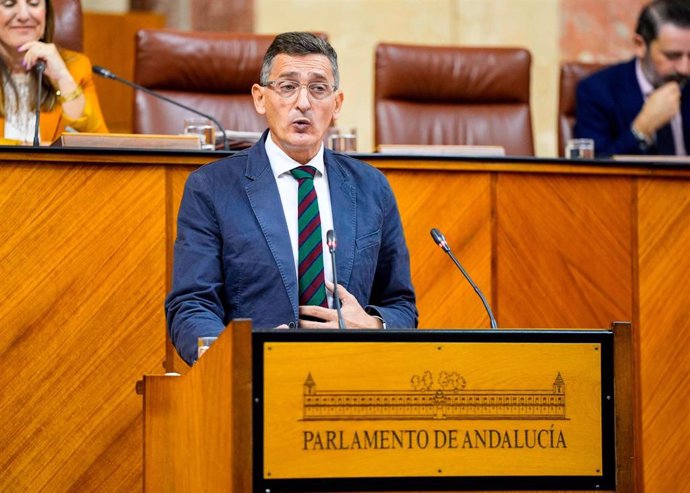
column 233, row 256
column 608, row 101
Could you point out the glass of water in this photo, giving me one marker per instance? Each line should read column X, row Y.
column 203, row 127
column 579, row 149
column 204, row 343
column 343, row 139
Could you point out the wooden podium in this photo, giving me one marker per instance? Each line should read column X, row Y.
column 198, row 427
column 336, row 411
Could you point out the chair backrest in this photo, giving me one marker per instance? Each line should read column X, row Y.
column 434, row 95
column 571, row 74
column 69, row 32
column 211, row 72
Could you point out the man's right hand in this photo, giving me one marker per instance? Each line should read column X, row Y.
column 661, row 105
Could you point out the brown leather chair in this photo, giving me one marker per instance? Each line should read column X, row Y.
column 211, row 72
column 434, row 95
column 571, row 74
column 68, row 24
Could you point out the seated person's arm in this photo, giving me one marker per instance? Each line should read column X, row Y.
column 70, row 74
column 595, row 119
column 91, row 118
column 659, row 108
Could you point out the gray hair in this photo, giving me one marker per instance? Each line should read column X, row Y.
column 298, row 44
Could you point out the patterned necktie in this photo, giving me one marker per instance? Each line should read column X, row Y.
column 312, row 288
column 665, row 145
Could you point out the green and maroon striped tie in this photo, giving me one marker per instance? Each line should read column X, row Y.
column 312, row 288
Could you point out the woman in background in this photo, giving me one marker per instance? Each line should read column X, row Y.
column 68, row 94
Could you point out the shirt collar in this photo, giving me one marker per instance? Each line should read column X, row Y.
column 281, row 163
column 645, row 86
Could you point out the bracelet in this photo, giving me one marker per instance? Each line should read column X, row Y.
column 69, row 97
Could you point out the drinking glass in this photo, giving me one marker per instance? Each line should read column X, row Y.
column 342, row 139
column 579, row 149
column 204, row 343
column 204, row 128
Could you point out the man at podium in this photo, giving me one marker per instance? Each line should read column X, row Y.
column 252, row 226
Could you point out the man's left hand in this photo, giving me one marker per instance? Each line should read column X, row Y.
column 354, row 315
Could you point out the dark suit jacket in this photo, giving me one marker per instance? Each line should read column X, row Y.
column 233, row 257
column 608, row 101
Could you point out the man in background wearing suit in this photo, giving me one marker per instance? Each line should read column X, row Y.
column 248, row 244
column 643, row 106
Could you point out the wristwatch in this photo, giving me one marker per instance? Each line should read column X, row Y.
column 643, row 141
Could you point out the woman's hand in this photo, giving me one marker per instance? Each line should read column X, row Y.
column 56, row 71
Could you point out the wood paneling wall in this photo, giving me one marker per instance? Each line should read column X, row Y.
column 110, row 41
column 82, row 280
column 567, row 246
column 663, row 268
column 564, row 256
column 85, row 258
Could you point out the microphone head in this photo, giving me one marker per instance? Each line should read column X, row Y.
column 40, row 66
column 330, row 240
column 439, row 239
column 103, row 72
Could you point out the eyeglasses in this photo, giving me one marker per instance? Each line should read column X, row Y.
column 287, row 89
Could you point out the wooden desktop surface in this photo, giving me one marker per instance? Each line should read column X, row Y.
column 86, row 253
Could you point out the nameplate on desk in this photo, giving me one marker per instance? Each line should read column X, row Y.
column 442, row 150
column 237, row 139
column 523, row 412
column 652, row 159
column 129, row 141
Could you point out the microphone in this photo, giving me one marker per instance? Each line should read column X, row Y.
column 330, row 241
column 440, row 240
column 107, row 74
column 39, row 67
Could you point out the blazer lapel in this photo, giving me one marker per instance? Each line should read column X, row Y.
column 343, row 205
column 263, row 195
column 629, row 98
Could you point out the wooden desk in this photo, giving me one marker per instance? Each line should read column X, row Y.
column 86, row 251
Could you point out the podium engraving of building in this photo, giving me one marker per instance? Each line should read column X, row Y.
column 447, row 400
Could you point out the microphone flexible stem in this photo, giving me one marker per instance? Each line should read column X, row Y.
column 37, row 140
column 475, row 287
column 331, row 242
column 139, row 87
column 336, row 300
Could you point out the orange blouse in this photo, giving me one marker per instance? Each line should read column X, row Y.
column 53, row 123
